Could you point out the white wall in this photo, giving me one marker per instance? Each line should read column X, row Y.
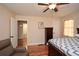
column 24, row 31
column 5, row 16
column 36, row 35
column 56, row 27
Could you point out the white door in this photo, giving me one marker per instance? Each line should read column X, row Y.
column 13, row 34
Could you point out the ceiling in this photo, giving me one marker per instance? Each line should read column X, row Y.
column 33, row 9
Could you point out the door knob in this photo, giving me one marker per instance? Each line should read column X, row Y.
column 11, row 36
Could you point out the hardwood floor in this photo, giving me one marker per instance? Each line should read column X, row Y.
column 22, row 42
column 38, row 50
column 34, row 50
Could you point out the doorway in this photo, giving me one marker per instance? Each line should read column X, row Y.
column 48, row 34
column 22, row 33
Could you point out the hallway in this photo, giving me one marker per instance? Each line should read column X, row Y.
column 22, row 42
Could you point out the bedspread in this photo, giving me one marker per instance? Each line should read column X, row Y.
column 68, row 45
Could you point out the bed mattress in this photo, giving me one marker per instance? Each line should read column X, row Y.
column 68, row 45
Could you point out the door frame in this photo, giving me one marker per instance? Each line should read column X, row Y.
column 18, row 26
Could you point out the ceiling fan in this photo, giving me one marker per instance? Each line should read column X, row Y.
column 52, row 6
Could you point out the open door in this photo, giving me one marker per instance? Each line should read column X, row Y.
column 22, row 33
column 13, row 32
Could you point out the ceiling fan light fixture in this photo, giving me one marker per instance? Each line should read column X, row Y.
column 52, row 6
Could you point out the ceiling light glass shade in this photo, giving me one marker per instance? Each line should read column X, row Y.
column 52, row 6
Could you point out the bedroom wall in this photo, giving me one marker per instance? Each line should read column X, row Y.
column 5, row 15
column 73, row 16
column 36, row 35
column 57, row 23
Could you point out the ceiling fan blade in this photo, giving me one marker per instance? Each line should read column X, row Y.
column 42, row 4
column 55, row 9
column 45, row 10
column 61, row 3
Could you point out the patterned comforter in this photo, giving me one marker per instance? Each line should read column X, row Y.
column 68, row 45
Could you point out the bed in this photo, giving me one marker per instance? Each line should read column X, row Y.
column 65, row 46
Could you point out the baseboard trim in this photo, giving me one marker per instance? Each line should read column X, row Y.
column 35, row 44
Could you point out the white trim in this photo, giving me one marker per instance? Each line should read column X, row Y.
column 35, row 43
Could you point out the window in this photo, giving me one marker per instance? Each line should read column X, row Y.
column 69, row 28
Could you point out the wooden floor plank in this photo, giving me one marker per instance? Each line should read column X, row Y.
column 38, row 50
